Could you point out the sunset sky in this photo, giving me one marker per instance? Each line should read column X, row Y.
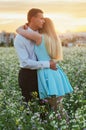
column 67, row 15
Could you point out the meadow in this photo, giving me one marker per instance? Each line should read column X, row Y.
column 14, row 115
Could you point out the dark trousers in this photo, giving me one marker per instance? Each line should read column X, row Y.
column 27, row 82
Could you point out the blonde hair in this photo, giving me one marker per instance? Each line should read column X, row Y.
column 52, row 41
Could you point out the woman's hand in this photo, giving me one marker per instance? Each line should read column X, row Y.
column 26, row 26
column 23, row 27
column 19, row 29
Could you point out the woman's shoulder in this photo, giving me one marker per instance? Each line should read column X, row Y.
column 40, row 40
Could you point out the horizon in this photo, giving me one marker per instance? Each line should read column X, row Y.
column 67, row 15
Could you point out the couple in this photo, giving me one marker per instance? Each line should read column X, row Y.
column 39, row 49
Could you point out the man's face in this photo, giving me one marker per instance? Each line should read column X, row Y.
column 39, row 20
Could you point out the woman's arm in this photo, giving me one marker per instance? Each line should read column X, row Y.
column 32, row 35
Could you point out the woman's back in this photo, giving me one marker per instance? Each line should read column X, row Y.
column 41, row 51
column 50, row 82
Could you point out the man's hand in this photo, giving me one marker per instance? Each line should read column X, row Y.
column 53, row 65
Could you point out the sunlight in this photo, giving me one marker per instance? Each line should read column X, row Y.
column 64, row 22
column 64, row 13
column 12, row 16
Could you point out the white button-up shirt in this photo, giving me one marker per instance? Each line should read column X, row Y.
column 26, row 54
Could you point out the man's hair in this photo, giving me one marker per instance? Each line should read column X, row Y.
column 33, row 12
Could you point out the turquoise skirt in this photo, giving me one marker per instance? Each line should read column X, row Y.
column 53, row 82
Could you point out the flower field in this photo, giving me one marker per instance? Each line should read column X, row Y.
column 15, row 115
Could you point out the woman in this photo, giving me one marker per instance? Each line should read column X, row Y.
column 51, row 83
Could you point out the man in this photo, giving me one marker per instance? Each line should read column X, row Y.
column 28, row 61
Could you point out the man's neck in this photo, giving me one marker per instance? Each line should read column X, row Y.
column 33, row 27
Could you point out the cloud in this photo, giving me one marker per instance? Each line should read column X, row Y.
column 6, row 22
column 65, row 13
column 77, row 8
column 45, row 0
column 12, row 16
column 65, row 22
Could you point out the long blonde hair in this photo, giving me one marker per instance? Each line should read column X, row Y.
column 52, row 41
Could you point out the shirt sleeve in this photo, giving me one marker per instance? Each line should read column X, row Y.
column 25, row 61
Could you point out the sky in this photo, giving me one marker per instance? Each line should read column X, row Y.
column 67, row 15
